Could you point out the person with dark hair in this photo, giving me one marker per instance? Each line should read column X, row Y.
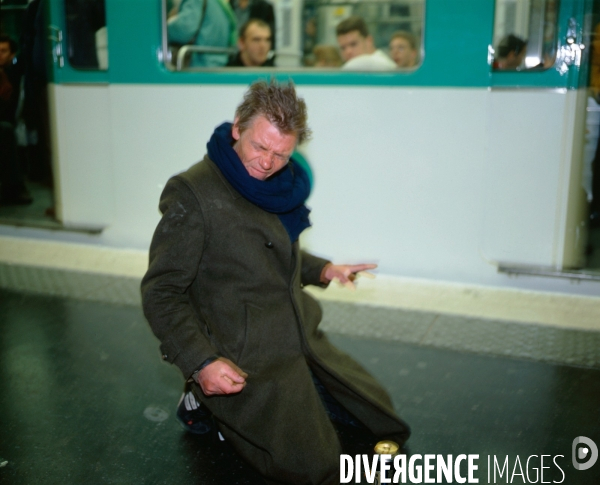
column 403, row 49
column 12, row 184
column 254, row 43
column 255, row 9
column 510, row 52
column 224, row 295
column 358, row 49
column 9, row 50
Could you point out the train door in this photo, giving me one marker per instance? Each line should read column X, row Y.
column 25, row 179
column 79, row 106
column 535, row 202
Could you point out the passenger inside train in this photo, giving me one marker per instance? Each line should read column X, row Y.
column 255, row 9
column 254, row 45
column 208, row 25
column 358, row 49
column 403, row 49
column 327, row 56
column 316, row 30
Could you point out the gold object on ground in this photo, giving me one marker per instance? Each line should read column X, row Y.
column 387, row 447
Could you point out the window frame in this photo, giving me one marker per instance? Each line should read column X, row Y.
column 175, row 67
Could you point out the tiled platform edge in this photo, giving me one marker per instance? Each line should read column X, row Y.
column 540, row 326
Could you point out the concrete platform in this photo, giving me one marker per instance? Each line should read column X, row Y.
column 85, row 398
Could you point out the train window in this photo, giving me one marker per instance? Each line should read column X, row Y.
column 87, row 35
column 367, row 35
column 525, row 34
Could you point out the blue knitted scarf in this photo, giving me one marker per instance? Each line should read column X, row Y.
column 284, row 193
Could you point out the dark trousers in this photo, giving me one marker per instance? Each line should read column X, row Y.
column 336, row 412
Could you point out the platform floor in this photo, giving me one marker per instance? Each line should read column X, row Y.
column 85, row 398
column 40, row 213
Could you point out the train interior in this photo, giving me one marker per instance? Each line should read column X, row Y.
column 85, row 398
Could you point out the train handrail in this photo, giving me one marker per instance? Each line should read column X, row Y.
column 202, row 49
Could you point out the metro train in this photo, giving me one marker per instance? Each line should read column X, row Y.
column 447, row 171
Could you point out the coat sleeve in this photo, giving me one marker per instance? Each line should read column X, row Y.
column 311, row 269
column 184, row 26
column 175, row 254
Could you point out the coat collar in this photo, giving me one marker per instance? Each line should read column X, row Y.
column 234, row 193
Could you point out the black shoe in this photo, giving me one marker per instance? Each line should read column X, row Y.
column 193, row 415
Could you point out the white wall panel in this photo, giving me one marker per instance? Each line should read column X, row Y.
column 82, row 155
column 531, row 145
column 422, row 181
column 398, row 177
column 157, row 132
column 410, row 201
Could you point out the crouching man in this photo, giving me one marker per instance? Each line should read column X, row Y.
column 224, row 295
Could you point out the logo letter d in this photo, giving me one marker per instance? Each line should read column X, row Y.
column 593, row 455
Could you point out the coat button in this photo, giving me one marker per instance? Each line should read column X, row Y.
column 269, row 245
column 165, row 356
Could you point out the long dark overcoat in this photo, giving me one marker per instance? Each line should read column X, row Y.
column 225, row 279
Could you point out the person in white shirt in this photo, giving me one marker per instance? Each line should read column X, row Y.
column 358, row 49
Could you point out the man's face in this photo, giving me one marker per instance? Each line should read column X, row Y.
column 255, row 45
column 6, row 56
column 353, row 44
column 262, row 148
column 402, row 53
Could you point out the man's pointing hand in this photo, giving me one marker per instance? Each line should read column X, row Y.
column 346, row 273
